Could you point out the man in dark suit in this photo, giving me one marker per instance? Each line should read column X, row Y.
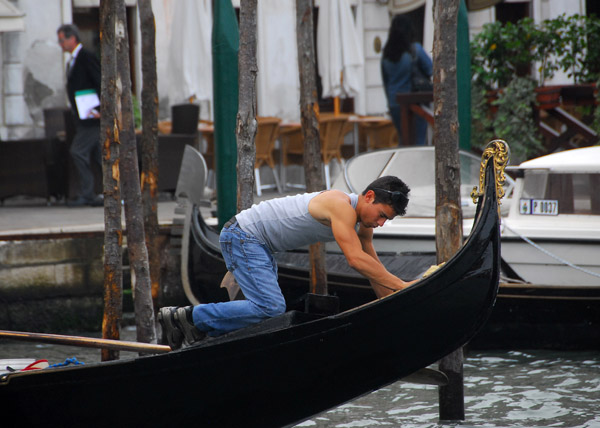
column 83, row 74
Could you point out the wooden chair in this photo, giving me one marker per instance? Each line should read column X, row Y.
column 292, row 152
column 266, row 134
column 165, row 126
column 378, row 135
column 332, row 130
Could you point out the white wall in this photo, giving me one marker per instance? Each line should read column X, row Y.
column 32, row 70
column 549, row 9
column 376, row 22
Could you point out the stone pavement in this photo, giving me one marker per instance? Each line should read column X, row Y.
column 22, row 217
column 33, row 216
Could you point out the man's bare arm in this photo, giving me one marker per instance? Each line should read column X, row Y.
column 365, row 236
column 343, row 220
column 333, row 208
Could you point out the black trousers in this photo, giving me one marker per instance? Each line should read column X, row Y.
column 84, row 150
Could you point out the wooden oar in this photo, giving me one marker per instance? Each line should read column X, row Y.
column 86, row 342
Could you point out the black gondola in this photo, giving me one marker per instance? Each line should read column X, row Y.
column 525, row 316
column 284, row 370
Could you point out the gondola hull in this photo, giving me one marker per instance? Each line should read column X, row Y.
column 283, row 370
column 524, row 317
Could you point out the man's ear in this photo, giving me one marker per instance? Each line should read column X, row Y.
column 370, row 196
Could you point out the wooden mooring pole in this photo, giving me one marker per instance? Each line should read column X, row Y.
column 447, row 170
column 313, row 164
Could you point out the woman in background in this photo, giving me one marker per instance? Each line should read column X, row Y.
column 396, row 68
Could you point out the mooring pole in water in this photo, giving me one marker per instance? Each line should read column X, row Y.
column 313, row 163
column 447, row 181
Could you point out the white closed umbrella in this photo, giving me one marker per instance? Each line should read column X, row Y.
column 190, row 53
column 277, row 82
column 339, row 51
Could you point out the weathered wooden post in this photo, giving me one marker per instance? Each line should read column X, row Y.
column 313, row 165
column 134, row 219
column 109, row 138
column 246, row 117
column 447, row 166
column 149, row 155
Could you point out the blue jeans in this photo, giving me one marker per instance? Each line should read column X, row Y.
column 255, row 270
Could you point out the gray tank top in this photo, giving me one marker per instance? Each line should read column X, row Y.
column 285, row 223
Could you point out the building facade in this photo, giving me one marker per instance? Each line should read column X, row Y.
column 32, row 65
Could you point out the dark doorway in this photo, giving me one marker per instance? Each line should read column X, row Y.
column 592, row 7
column 512, row 12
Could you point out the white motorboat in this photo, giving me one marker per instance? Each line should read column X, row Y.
column 551, row 235
column 549, row 294
column 551, row 217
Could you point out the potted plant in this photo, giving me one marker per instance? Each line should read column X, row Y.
column 579, row 56
column 510, row 117
column 503, row 95
column 503, row 55
column 501, row 52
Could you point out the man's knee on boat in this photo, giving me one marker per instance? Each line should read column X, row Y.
column 273, row 308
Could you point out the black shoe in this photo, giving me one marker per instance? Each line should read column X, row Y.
column 185, row 323
column 173, row 335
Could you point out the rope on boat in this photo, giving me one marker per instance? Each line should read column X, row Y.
column 548, row 253
column 68, row 361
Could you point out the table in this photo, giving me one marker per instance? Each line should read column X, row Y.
column 378, row 131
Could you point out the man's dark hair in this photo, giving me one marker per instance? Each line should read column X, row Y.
column 69, row 30
column 392, row 191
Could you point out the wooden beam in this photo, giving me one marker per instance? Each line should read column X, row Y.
column 573, row 122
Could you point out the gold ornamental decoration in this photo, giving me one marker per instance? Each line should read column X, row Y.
column 499, row 152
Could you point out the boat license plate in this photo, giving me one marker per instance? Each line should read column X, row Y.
column 538, row 207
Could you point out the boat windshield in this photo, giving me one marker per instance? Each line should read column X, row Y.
column 416, row 167
column 569, row 193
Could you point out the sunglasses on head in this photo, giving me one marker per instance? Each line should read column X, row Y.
column 397, row 196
